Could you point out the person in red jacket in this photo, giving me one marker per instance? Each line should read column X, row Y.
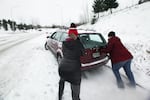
column 120, row 57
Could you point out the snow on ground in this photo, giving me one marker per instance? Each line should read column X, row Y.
column 132, row 26
column 102, row 85
column 27, row 72
column 32, row 74
column 9, row 38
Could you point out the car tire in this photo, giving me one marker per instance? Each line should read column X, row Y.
column 46, row 46
column 59, row 58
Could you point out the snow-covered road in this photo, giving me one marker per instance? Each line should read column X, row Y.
column 15, row 38
column 29, row 72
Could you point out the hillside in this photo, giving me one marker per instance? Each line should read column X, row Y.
column 132, row 26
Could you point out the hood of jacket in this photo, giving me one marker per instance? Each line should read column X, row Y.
column 72, row 49
column 69, row 44
column 114, row 39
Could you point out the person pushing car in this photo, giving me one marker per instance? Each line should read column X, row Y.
column 70, row 65
column 120, row 57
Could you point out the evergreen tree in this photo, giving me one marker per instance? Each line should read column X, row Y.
column 0, row 24
column 10, row 24
column 104, row 5
column 20, row 26
column 99, row 6
column 111, row 4
column 15, row 25
column 5, row 24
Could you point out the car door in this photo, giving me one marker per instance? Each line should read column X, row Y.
column 54, row 42
column 62, row 38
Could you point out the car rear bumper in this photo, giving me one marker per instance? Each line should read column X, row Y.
column 94, row 64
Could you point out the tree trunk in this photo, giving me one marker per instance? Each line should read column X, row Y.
column 110, row 11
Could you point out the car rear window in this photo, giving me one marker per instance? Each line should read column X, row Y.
column 92, row 40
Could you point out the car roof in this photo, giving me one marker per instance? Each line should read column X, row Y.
column 85, row 31
column 80, row 31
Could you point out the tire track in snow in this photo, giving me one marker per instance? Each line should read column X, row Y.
column 12, row 41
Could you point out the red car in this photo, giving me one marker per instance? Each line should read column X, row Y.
column 91, row 41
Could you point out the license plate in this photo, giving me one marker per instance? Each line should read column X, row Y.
column 95, row 55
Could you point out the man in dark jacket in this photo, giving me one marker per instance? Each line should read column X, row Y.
column 120, row 57
column 69, row 68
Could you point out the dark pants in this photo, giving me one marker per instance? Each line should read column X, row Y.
column 127, row 68
column 74, row 88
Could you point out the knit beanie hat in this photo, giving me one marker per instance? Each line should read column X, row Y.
column 72, row 29
column 72, row 25
column 112, row 33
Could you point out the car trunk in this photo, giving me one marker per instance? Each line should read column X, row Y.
column 92, row 55
column 92, row 44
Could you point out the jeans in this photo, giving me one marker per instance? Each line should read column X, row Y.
column 74, row 88
column 127, row 68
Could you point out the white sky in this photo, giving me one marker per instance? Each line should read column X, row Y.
column 44, row 11
column 48, row 12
